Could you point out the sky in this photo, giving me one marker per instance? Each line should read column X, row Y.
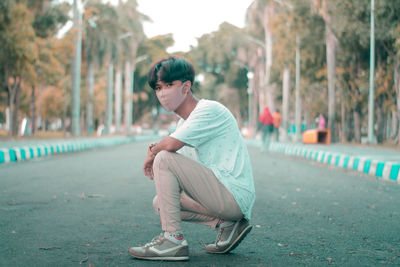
column 189, row 19
column 185, row 19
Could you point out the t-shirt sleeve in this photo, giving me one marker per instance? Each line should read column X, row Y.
column 202, row 125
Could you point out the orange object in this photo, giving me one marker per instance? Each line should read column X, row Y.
column 276, row 119
column 315, row 136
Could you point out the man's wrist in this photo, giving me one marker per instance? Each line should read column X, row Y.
column 150, row 151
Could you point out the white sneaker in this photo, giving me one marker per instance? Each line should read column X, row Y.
column 162, row 248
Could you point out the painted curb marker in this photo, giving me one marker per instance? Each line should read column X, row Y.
column 17, row 154
column 384, row 170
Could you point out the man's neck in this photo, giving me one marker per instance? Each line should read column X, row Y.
column 187, row 106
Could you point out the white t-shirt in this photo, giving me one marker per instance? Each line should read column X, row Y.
column 214, row 134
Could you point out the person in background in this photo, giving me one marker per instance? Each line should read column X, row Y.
column 276, row 117
column 321, row 122
column 202, row 171
column 266, row 126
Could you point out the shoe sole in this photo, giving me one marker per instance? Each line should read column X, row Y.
column 236, row 242
column 182, row 258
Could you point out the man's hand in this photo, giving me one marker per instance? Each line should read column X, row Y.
column 148, row 162
column 168, row 143
column 148, row 166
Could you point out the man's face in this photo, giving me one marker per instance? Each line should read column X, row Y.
column 171, row 94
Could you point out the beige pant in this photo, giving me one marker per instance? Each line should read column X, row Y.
column 188, row 191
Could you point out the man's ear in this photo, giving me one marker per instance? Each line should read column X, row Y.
column 187, row 86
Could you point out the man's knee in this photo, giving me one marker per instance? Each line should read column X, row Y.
column 162, row 159
column 155, row 204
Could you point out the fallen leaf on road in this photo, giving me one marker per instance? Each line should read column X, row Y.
column 95, row 195
column 50, row 248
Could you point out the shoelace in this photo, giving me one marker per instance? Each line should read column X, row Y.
column 221, row 230
column 155, row 241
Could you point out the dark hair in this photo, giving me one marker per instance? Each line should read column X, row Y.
column 169, row 70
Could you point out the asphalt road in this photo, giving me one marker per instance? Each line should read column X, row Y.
column 87, row 208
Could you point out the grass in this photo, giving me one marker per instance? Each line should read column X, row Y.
column 40, row 135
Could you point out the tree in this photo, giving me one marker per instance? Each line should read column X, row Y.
column 261, row 12
column 132, row 20
column 325, row 9
column 17, row 53
column 101, row 31
column 144, row 99
column 216, row 54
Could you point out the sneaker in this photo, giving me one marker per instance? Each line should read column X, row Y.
column 162, row 248
column 230, row 237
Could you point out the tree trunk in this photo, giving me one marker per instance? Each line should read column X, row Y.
column 33, row 110
column 259, row 92
column 16, row 109
column 394, row 126
column 128, row 97
column 39, row 118
column 14, row 93
column 387, row 126
column 268, row 11
column 331, row 43
column 64, row 111
column 380, row 120
column 118, row 96
column 343, row 122
column 349, row 123
column 357, row 126
column 110, row 82
column 82, row 120
column 397, row 87
column 11, row 112
column 285, row 104
column 89, row 105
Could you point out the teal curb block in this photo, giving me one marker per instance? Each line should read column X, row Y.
column 13, row 156
column 379, row 169
column 23, row 157
column 367, row 165
column 323, row 157
column 337, row 160
column 329, row 159
column 16, row 154
column 346, row 162
column 394, row 172
column 355, row 164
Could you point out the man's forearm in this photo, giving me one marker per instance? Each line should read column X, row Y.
column 168, row 143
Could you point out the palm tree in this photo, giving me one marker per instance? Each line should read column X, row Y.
column 131, row 21
column 261, row 12
column 102, row 28
column 324, row 8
